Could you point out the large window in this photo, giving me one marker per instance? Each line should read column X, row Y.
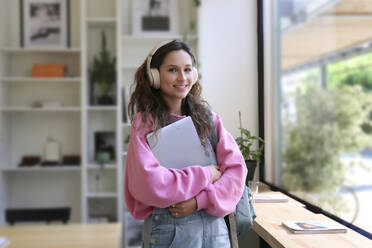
column 322, row 78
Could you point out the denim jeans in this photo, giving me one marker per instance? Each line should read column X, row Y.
column 196, row 230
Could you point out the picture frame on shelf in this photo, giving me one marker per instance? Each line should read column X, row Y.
column 104, row 143
column 45, row 23
column 155, row 17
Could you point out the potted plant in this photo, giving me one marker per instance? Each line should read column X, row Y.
column 103, row 73
column 252, row 156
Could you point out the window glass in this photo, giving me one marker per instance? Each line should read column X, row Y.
column 325, row 104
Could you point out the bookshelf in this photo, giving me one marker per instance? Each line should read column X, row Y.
column 76, row 119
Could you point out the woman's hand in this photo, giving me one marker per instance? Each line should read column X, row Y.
column 184, row 208
column 216, row 174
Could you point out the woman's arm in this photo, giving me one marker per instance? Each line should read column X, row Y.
column 153, row 185
column 221, row 197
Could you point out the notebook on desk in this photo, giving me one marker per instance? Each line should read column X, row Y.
column 178, row 145
column 312, row 227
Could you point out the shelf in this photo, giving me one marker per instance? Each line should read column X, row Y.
column 101, row 195
column 98, row 21
column 39, row 50
column 43, row 80
column 97, row 166
column 30, row 109
column 38, row 168
column 159, row 37
column 102, row 108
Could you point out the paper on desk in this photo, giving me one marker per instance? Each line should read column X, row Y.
column 4, row 241
column 263, row 198
column 178, row 145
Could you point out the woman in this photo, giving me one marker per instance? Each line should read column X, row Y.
column 181, row 208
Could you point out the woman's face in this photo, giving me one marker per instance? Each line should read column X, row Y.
column 176, row 76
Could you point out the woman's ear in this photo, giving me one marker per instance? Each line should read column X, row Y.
column 195, row 76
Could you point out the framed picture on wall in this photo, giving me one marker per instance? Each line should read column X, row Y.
column 155, row 17
column 45, row 23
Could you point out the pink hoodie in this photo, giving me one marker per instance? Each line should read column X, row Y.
column 149, row 185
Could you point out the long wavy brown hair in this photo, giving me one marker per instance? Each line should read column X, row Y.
column 150, row 103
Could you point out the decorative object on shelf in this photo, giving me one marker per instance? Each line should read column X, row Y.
column 28, row 161
column 151, row 17
column 104, row 143
column 68, row 160
column 103, row 157
column 46, row 104
column 52, row 152
column 251, row 156
column 45, row 23
column 103, row 73
column 48, row 70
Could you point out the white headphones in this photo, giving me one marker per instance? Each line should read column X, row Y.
column 153, row 73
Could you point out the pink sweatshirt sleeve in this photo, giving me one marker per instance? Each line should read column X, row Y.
column 221, row 197
column 148, row 184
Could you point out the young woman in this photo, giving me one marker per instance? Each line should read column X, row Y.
column 181, row 207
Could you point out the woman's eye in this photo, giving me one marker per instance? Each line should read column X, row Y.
column 188, row 69
column 172, row 70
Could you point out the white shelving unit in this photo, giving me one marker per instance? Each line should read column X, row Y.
column 24, row 129
column 102, row 197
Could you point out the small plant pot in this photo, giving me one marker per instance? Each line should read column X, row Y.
column 251, row 166
column 105, row 100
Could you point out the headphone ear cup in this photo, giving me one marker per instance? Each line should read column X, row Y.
column 155, row 78
column 196, row 75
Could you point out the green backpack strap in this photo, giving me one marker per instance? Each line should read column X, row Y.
column 213, row 138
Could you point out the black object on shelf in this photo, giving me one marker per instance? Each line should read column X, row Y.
column 104, row 141
column 31, row 160
column 37, row 214
column 71, row 160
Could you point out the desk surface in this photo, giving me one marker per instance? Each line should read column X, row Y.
column 62, row 236
column 268, row 226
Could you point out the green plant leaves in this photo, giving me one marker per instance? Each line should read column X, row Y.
column 245, row 143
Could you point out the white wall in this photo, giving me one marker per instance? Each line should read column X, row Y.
column 228, row 57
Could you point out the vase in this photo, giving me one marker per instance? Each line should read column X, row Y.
column 251, row 166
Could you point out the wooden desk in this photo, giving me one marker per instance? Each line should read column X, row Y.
column 63, row 236
column 268, row 226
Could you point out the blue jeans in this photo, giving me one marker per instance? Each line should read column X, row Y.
column 196, row 230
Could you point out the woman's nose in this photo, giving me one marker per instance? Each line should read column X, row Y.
column 181, row 76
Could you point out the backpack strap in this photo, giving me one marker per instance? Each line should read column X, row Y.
column 229, row 219
column 213, row 138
